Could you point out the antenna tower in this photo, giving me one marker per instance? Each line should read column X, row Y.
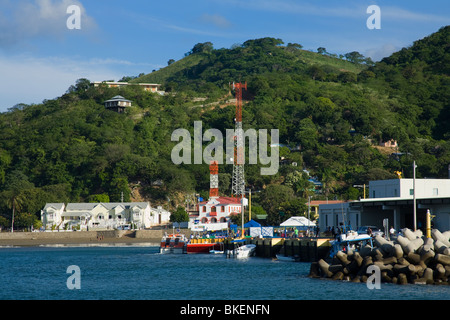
column 214, row 179
column 238, row 183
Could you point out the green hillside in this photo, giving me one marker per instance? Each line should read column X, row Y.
column 338, row 109
column 163, row 75
column 204, row 65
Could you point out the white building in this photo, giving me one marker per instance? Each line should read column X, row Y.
column 53, row 215
column 215, row 213
column 112, row 215
column 159, row 216
column 149, row 87
column 393, row 200
column 403, row 188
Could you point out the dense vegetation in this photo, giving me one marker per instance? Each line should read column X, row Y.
column 337, row 108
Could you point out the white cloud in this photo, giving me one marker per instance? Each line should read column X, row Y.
column 376, row 54
column 216, row 20
column 21, row 21
column 348, row 9
column 395, row 13
column 26, row 79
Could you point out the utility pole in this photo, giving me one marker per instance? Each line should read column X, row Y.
column 414, row 195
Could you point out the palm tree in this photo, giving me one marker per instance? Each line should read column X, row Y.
column 16, row 183
column 14, row 201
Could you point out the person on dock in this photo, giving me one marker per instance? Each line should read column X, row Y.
column 392, row 233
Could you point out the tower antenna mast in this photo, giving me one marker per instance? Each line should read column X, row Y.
column 238, row 182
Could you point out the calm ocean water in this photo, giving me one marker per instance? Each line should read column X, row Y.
column 138, row 272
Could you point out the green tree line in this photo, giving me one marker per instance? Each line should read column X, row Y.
column 337, row 109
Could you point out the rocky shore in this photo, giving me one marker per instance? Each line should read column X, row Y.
column 411, row 258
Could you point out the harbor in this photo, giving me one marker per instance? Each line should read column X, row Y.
column 302, row 250
column 141, row 273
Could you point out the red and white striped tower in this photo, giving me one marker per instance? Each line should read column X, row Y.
column 214, row 179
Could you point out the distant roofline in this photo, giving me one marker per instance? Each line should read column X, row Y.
column 399, row 199
column 127, row 83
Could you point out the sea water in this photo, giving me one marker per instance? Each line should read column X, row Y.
column 141, row 273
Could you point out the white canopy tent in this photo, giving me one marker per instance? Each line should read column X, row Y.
column 298, row 222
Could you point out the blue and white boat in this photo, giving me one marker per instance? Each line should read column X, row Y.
column 350, row 241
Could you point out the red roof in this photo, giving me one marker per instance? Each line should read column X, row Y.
column 224, row 201
column 318, row 202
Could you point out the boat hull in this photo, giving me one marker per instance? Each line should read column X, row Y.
column 171, row 250
column 173, row 243
column 203, row 247
column 245, row 251
column 284, row 258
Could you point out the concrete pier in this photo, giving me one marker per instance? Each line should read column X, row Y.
column 304, row 250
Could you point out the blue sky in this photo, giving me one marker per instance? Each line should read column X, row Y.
column 40, row 57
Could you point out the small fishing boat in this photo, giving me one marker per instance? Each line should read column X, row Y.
column 283, row 258
column 350, row 241
column 245, row 251
column 173, row 243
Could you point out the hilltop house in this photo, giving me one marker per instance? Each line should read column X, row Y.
column 114, row 215
column 118, row 104
column 149, row 87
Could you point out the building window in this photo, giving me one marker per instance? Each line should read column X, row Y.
column 435, row 192
column 222, row 209
column 411, row 192
column 204, row 208
column 213, row 220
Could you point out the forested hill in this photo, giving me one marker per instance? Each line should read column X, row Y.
column 338, row 108
column 420, row 76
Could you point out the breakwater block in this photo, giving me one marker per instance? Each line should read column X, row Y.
column 410, row 259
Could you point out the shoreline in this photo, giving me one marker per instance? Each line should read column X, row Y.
column 13, row 243
column 80, row 238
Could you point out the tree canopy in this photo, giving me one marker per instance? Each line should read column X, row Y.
column 331, row 113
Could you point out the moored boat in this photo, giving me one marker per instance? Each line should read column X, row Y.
column 350, row 241
column 282, row 257
column 204, row 245
column 173, row 243
column 245, row 251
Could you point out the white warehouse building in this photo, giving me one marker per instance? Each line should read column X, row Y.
column 393, row 200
